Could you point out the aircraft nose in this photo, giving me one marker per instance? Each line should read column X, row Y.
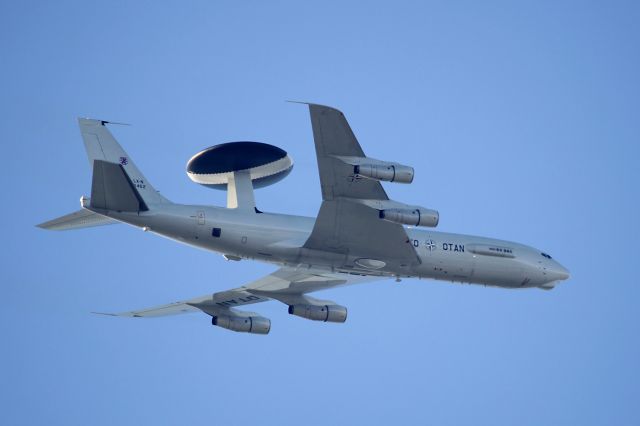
column 560, row 272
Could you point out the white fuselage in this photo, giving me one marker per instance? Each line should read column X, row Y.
column 279, row 239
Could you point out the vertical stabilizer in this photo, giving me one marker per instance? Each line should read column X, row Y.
column 111, row 189
column 101, row 145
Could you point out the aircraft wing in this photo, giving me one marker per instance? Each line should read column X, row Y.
column 288, row 285
column 346, row 223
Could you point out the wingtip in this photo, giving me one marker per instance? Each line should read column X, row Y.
column 122, row 314
column 108, row 314
column 46, row 226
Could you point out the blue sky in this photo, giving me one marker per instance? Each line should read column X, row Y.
column 521, row 119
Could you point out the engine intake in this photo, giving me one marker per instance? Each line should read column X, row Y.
column 254, row 325
column 416, row 217
column 386, row 172
column 326, row 313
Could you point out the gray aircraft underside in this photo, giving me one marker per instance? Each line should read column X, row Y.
column 359, row 235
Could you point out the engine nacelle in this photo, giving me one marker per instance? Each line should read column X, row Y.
column 326, row 313
column 385, row 172
column 416, row 217
column 254, row 325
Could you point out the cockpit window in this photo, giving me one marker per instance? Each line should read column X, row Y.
column 545, row 255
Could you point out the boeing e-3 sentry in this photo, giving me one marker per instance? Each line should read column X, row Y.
column 359, row 234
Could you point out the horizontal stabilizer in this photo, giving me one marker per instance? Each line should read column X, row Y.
column 76, row 220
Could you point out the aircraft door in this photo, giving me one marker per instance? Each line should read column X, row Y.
column 199, row 223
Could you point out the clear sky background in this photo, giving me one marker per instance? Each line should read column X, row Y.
column 521, row 119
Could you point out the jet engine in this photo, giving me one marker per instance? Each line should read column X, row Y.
column 417, row 217
column 326, row 313
column 253, row 325
column 388, row 172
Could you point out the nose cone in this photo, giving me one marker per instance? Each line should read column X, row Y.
column 559, row 272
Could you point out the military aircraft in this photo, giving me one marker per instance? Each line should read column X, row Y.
column 359, row 235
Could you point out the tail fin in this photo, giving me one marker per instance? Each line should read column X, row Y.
column 102, row 149
column 112, row 189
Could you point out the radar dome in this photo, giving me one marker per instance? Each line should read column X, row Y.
column 266, row 164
